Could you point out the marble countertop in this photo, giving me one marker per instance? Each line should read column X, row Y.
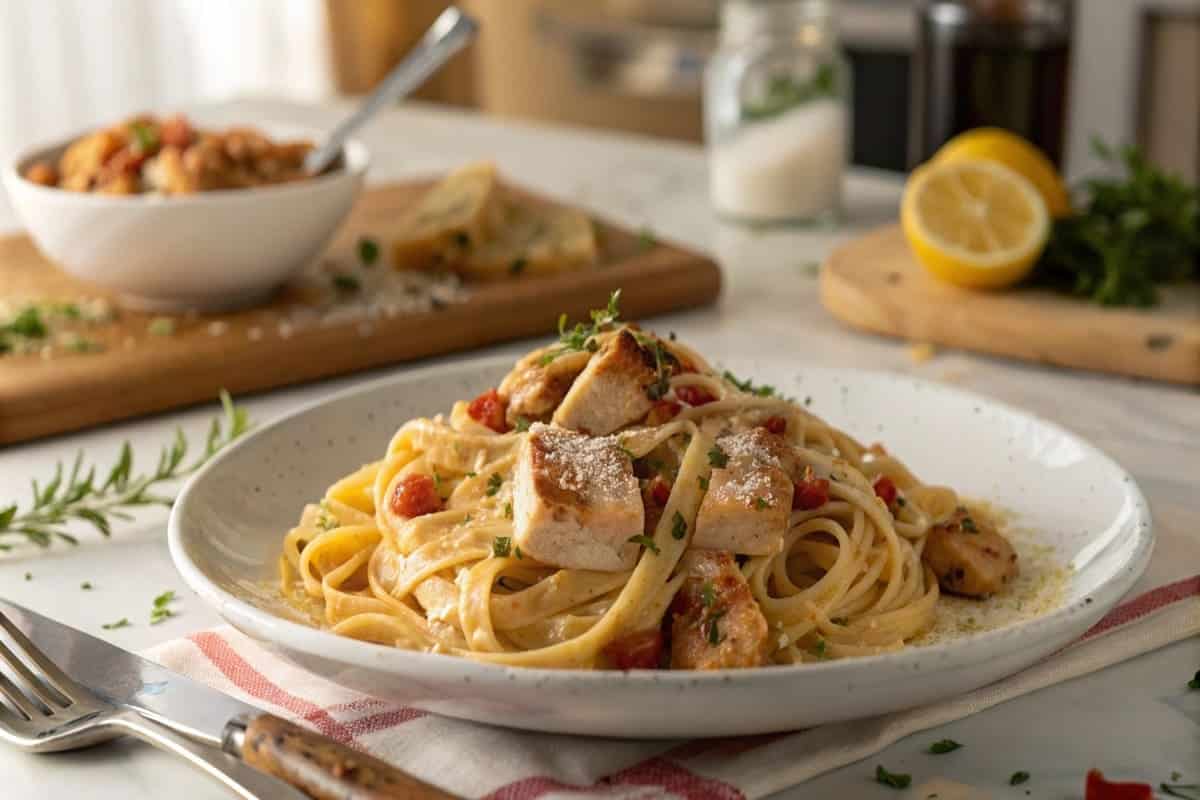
column 1116, row 719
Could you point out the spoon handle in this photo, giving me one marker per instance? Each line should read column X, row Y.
column 449, row 33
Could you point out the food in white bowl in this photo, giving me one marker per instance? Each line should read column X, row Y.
column 1077, row 522
column 189, row 228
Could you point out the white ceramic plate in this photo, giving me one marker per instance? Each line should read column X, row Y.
column 227, row 528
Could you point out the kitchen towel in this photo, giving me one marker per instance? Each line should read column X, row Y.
column 477, row 760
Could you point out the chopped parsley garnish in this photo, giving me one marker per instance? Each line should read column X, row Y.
column 522, row 424
column 145, row 136
column 664, row 362
column 708, row 594
column 471, row 474
column 368, row 250
column 678, row 526
column 346, row 283
column 581, row 337
column 161, row 326
column 748, row 385
column 900, row 501
column 86, row 586
column 819, row 648
column 895, row 780
column 462, row 239
column 717, row 457
column 112, row 626
column 1194, row 683
column 1018, row 777
column 943, row 746
column 28, row 576
column 502, row 546
column 645, row 541
column 714, row 632
column 493, row 484
column 326, row 521
column 160, row 612
column 969, row 525
column 704, row 483
column 517, row 266
column 1178, row 789
column 517, row 552
column 508, row 510
column 27, row 323
column 761, row 504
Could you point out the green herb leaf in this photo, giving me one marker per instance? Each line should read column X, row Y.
column 517, row 552
column 346, row 283
column 943, row 746
column 508, row 510
column 368, row 251
column 1018, row 778
column 647, row 239
column 517, row 266
column 703, row 480
column 1188, row 791
column 502, row 546
column 708, row 594
column 522, row 424
column 678, row 526
column 581, row 338
column 717, row 457
column 86, row 586
column 1194, row 683
column 969, row 525
column 761, row 504
column 819, row 648
column 145, row 136
column 28, row 576
column 494, row 483
column 895, row 780
column 645, row 541
column 748, row 386
column 112, row 626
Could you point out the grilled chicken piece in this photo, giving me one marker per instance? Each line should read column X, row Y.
column 576, row 502
column 746, row 509
column 611, row 392
column 534, row 389
column 760, row 446
column 968, row 556
column 717, row 624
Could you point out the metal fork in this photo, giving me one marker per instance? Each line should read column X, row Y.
column 47, row 712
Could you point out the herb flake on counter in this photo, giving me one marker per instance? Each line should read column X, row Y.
column 160, row 611
column 86, row 586
column 943, row 746
column 1194, row 683
column 1018, row 777
column 123, row 622
column 1188, row 791
column 368, row 251
column 28, row 576
column 82, row 496
column 645, row 541
column 896, row 780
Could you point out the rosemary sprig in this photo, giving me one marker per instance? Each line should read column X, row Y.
column 81, row 496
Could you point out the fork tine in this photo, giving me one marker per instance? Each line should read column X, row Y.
column 41, row 689
column 52, row 676
column 15, row 696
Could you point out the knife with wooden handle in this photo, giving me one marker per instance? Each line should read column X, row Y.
column 314, row 764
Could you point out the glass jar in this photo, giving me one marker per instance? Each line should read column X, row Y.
column 777, row 113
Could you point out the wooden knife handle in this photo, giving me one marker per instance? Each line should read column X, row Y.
column 324, row 769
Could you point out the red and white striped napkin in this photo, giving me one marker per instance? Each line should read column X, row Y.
column 484, row 761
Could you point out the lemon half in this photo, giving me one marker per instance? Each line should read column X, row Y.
column 1009, row 149
column 976, row 224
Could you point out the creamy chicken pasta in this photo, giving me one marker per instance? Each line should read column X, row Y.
column 618, row 503
column 169, row 155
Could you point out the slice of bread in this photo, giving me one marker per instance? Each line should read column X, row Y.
column 533, row 240
column 461, row 211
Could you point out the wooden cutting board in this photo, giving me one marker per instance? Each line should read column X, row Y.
column 875, row 284
column 304, row 334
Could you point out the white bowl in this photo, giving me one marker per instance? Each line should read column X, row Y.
column 227, row 528
column 208, row 251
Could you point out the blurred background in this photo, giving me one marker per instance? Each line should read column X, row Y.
column 1126, row 68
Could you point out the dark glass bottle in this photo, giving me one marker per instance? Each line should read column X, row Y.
column 1003, row 63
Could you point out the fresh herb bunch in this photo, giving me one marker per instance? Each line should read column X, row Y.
column 1130, row 234
column 80, row 496
column 582, row 337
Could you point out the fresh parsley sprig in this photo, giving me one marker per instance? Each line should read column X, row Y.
column 583, row 337
column 1129, row 234
column 82, row 496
